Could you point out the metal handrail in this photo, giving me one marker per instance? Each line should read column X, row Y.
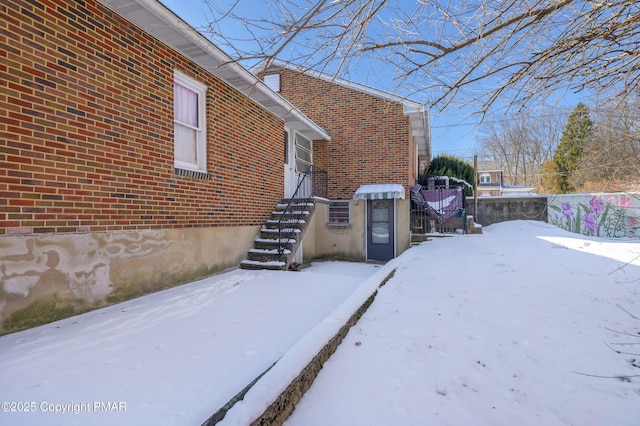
column 282, row 232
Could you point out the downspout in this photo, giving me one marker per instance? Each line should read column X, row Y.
column 426, row 121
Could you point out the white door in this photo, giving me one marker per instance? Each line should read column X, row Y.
column 290, row 178
column 304, row 159
column 298, row 158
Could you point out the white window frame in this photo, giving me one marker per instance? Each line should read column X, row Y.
column 485, row 178
column 302, row 151
column 272, row 81
column 201, row 130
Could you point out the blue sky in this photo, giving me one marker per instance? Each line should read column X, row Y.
column 454, row 131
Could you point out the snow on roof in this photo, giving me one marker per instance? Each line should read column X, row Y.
column 379, row 191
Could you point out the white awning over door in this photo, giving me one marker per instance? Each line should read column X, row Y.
column 379, row 192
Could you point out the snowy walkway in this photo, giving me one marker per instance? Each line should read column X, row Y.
column 514, row 327
column 506, row 328
column 170, row 358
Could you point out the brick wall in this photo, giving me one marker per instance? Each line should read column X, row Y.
column 86, row 124
column 371, row 140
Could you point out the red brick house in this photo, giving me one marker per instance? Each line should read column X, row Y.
column 492, row 182
column 133, row 155
column 379, row 144
column 489, row 179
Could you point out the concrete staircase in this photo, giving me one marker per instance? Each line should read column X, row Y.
column 274, row 248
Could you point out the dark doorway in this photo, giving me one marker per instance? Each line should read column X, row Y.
column 380, row 227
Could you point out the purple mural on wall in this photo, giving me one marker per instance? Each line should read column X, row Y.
column 605, row 215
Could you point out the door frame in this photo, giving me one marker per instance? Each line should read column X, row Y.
column 290, row 175
column 392, row 227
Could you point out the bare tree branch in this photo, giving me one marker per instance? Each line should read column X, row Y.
column 620, row 352
column 630, row 314
column 622, row 332
column 622, row 377
column 480, row 51
column 521, row 143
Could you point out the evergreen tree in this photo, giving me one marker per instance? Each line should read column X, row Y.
column 446, row 165
column 550, row 181
column 571, row 147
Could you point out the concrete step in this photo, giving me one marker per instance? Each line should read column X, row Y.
column 272, row 233
column 267, row 255
column 299, row 201
column 302, row 214
column 295, row 206
column 273, row 243
column 287, row 223
column 255, row 265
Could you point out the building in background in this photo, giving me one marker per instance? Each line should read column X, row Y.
column 491, row 182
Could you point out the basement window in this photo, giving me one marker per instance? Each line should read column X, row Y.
column 339, row 212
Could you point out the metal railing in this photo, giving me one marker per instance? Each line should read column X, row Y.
column 438, row 211
column 424, row 223
column 313, row 182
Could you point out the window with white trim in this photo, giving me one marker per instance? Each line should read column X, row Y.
column 189, row 106
column 339, row 212
column 485, row 178
column 303, row 154
column 272, row 81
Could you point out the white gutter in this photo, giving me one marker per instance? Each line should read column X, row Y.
column 156, row 19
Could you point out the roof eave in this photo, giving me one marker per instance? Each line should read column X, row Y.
column 417, row 113
column 159, row 21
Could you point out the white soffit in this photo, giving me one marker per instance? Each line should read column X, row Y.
column 156, row 19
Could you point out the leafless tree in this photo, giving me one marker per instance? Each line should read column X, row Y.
column 611, row 158
column 522, row 142
column 472, row 51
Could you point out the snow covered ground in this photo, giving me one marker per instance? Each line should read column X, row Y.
column 170, row 358
column 514, row 327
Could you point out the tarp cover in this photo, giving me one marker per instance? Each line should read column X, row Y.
column 379, row 192
column 441, row 204
column 445, row 201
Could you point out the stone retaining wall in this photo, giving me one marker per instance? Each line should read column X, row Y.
column 500, row 209
column 284, row 403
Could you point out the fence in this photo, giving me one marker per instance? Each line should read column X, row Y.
column 439, row 210
column 603, row 215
